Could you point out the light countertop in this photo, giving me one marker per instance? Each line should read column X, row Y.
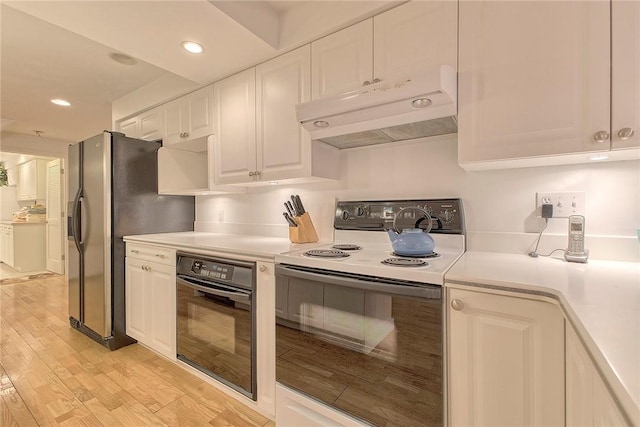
column 601, row 299
column 22, row 222
column 245, row 245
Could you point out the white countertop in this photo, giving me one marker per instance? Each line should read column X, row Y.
column 600, row 298
column 22, row 222
column 245, row 245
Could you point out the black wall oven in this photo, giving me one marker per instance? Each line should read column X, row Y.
column 216, row 319
column 367, row 346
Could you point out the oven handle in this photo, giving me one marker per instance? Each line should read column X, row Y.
column 373, row 285
column 233, row 295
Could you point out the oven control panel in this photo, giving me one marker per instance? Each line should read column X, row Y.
column 446, row 215
column 210, row 269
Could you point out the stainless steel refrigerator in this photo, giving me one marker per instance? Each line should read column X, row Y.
column 113, row 191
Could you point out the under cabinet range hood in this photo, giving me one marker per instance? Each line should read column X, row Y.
column 391, row 110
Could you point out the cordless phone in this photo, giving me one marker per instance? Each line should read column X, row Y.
column 575, row 249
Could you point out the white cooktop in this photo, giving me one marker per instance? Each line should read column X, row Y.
column 376, row 247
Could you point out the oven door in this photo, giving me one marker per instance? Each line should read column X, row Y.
column 369, row 347
column 215, row 332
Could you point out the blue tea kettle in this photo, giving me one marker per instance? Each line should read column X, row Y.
column 412, row 241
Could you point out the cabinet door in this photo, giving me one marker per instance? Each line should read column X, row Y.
column 174, row 115
column 129, row 127
column 151, row 128
column 282, row 298
column 283, row 145
column 579, row 377
column 235, row 112
column 533, row 79
column 605, row 410
column 344, row 311
column 162, row 302
column 342, row 61
column 199, row 119
column 415, row 36
column 27, row 183
column 136, row 302
column 625, row 67
column 306, row 303
column 506, row 360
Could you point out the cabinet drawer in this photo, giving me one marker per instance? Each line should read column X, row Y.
column 151, row 253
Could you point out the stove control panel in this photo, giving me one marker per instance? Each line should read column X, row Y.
column 446, row 215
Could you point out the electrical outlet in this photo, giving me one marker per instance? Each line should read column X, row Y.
column 564, row 204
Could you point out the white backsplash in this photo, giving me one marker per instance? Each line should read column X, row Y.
column 495, row 202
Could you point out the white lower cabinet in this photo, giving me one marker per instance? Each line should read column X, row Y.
column 589, row 403
column 505, row 360
column 22, row 246
column 151, row 297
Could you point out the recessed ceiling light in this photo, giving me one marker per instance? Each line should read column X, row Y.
column 121, row 58
column 321, row 124
column 62, row 102
column 192, row 47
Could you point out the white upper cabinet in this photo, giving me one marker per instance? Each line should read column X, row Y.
column 283, row 145
column 147, row 125
column 151, row 125
column 537, row 85
column 342, row 61
column 32, row 180
column 625, row 82
column 235, row 120
column 398, row 43
column 415, row 36
column 130, row 127
column 189, row 120
column 259, row 138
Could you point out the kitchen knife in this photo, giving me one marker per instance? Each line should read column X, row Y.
column 296, row 208
column 300, row 206
column 289, row 208
column 291, row 222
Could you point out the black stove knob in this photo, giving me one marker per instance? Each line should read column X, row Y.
column 447, row 216
column 345, row 215
column 360, row 211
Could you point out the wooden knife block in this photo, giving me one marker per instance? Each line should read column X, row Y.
column 305, row 232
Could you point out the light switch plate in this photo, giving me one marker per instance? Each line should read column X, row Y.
column 564, row 204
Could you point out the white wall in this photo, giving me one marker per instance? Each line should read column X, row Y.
column 501, row 201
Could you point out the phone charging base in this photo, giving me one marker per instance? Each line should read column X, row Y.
column 577, row 256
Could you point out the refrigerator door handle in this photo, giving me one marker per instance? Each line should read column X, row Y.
column 76, row 220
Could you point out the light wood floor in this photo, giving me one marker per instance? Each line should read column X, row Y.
column 52, row 375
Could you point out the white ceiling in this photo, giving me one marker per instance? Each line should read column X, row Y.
column 60, row 49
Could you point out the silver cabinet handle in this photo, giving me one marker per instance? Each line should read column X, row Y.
column 376, row 81
column 254, row 174
column 186, row 134
column 601, row 136
column 161, row 255
column 366, row 83
column 146, row 268
column 251, row 173
column 456, row 304
column 263, row 268
column 626, row 133
column 135, row 251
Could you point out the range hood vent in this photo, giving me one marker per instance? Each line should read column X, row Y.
column 393, row 110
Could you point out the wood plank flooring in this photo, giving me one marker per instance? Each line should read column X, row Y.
column 52, row 375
